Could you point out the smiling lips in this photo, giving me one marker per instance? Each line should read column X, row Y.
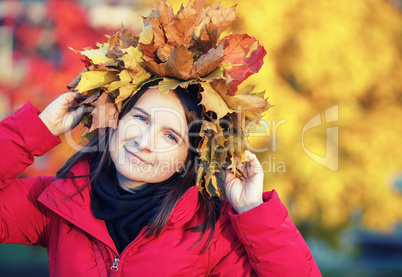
column 137, row 158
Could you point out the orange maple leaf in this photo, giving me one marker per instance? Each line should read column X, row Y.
column 237, row 48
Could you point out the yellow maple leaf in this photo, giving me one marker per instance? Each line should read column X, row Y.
column 212, row 101
column 125, row 91
column 147, row 35
column 124, row 79
column 95, row 79
column 97, row 56
column 132, row 60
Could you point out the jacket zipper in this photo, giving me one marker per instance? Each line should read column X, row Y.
column 115, row 265
column 116, row 260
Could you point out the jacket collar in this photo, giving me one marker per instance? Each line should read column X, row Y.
column 71, row 199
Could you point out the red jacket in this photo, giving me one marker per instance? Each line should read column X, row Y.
column 262, row 241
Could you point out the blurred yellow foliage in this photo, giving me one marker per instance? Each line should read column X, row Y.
column 320, row 54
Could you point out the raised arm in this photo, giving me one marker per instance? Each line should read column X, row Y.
column 263, row 226
column 24, row 135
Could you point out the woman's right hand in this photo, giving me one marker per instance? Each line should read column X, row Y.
column 60, row 115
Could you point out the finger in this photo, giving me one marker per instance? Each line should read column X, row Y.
column 68, row 99
column 229, row 177
column 252, row 158
column 253, row 165
column 79, row 97
column 78, row 115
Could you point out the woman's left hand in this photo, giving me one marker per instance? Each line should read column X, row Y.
column 247, row 193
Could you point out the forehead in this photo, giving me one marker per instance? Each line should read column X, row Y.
column 168, row 106
column 153, row 98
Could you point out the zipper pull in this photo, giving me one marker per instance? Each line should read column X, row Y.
column 115, row 264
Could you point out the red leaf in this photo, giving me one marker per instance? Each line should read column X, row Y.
column 237, row 47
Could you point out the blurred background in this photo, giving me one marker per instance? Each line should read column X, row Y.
column 331, row 146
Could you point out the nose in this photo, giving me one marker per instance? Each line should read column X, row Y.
column 142, row 141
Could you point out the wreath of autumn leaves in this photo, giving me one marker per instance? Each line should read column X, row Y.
column 179, row 50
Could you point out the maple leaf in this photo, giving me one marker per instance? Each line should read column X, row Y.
column 124, row 79
column 132, row 62
column 159, row 17
column 199, row 7
column 95, row 79
column 115, row 66
column 91, row 98
column 204, row 150
column 208, row 125
column 157, row 69
column 121, row 40
column 210, row 181
column 86, row 119
column 200, row 175
column 125, row 91
column 248, row 90
column 203, row 46
column 163, row 11
column 238, row 119
column 178, row 65
column 164, row 52
column 255, row 126
column 219, row 137
column 216, row 74
column 147, row 35
column 219, row 19
column 76, row 80
column 208, row 63
column 98, row 55
column 149, row 51
column 104, row 114
column 159, row 33
column 168, row 84
column 237, row 49
column 251, row 105
column 215, row 21
column 180, row 30
column 221, row 155
column 212, row 101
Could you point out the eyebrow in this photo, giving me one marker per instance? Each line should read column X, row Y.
column 141, row 110
column 168, row 128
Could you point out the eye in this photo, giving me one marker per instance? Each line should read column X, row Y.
column 141, row 118
column 172, row 138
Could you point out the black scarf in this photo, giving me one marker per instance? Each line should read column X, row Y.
column 126, row 212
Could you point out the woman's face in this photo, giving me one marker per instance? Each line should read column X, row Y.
column 151, row 141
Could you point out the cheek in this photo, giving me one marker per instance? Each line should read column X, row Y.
column 181, row 156
column 119, row 136
column 114, row 147
column 129, row 128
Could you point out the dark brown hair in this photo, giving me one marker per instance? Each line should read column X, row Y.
column 101, row 161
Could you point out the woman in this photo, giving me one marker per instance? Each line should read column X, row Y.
column 140, row 199
column 87, row 229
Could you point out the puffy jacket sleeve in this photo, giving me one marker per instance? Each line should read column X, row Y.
column 273, row 245
column 22, row 218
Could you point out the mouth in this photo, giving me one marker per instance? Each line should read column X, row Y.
column 137, row 158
